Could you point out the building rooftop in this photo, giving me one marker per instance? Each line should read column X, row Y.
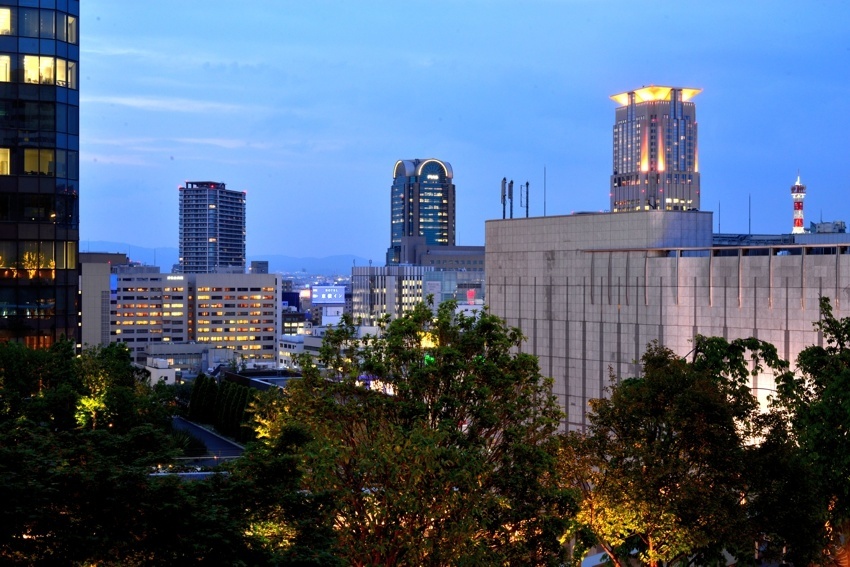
column 654, row 92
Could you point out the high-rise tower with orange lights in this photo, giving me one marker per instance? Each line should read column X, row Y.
column 798, row 193
column 656, row 165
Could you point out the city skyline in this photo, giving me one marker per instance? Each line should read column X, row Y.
column 308, row 109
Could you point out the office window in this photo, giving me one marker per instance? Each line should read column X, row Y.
column 5, row 21
column 61, row 72
column 47, row 70
column 61, row 164
column 47, row 24
column 36, row 207
column 40, row 162
column 4, row 161
column 5, row 68
column 31, row 69
column 8, row 253
column 72, row 29
column 28, row 22
column 72, row 75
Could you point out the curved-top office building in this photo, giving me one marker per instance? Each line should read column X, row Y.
column 39, row 170
column 422, row 205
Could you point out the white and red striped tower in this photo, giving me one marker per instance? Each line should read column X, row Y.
column 798, row 192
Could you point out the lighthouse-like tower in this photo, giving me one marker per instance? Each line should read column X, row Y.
column 798, row 192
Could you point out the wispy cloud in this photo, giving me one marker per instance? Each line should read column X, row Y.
column 105, row 49
column 164, row 104
column 115, row 159
column 228, row 143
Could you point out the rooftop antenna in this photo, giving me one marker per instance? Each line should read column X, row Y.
column 749, row 213
column 526, row 198
column 511, row 196
column 527, row 204
column 544, row 190
column 504, row 182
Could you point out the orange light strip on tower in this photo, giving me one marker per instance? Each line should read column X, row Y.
column 653, row 92
column 661, row 163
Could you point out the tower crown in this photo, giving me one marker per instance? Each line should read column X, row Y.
column 655, row 93
column 656, row 165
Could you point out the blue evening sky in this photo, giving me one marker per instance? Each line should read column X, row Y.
column 307, row 105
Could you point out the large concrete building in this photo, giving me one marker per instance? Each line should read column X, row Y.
column 590, row 291
column 212, row 228
column 39, row 171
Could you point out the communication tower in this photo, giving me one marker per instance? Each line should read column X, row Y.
column 798, row 192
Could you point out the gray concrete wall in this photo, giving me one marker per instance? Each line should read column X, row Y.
column 590, row 291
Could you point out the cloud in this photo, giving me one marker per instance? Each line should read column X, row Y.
column 227, row 143
column 114, row 159
column 165, row 104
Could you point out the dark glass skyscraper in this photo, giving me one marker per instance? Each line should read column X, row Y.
column 212, row 228
column 422, row 206
column 39, row 170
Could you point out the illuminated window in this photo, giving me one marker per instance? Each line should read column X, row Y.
column 5, row 21
column 4, row 161
column 39, row 162
column 47, row 70
column 31, row 69
column 61, row 72
column 5, row 68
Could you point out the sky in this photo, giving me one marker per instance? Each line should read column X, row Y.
column 307, row 106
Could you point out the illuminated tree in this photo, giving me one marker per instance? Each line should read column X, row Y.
column 664, row 466
column 816, row 403
column 451, row 461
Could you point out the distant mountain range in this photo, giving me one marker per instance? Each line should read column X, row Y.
column 165, row 258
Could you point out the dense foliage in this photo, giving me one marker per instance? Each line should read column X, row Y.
column 447, row 458
column 816, row 403
column 679, row 465
column 223, row 406
column 79, row 438
column 436, row 443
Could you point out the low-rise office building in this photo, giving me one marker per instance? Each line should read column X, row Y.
column 140, row 306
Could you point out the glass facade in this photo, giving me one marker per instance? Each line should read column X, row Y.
column 422, row 207
column 39, row 170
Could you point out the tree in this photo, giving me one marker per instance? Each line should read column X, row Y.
column 435, row 441
column 663, row 466
column 816, row 403
column 112, row 389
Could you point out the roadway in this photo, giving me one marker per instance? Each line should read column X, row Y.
column 219, row 448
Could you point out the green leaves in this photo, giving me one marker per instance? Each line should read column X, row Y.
column 816, row 401
column 663, row 466
column 454, row 466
